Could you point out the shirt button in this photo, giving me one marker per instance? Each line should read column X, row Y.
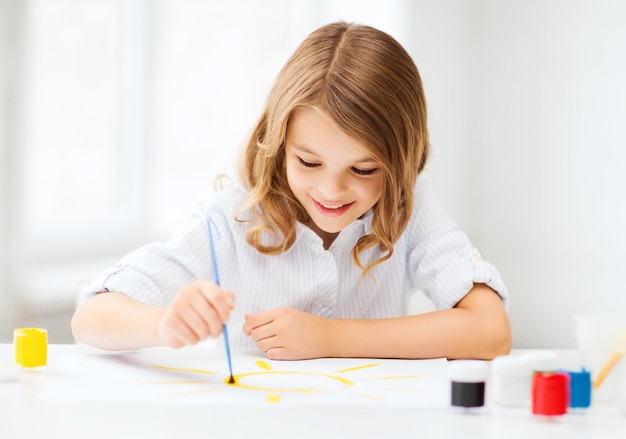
column 325, row 301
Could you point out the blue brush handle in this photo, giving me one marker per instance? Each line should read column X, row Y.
column 217, row 281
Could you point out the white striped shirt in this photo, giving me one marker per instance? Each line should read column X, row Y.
column 432, row 255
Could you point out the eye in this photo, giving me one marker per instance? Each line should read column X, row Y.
column 308, row 164
column 364, row 171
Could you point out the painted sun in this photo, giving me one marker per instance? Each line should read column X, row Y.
column 275, row 383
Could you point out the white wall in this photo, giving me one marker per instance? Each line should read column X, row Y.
column 542, row 161
column 8, row 78
column 5, row 311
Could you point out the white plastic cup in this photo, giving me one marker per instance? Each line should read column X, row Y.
column 599, row 336
column 621, row 370
column 541, row 361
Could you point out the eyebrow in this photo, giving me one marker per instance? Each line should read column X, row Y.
column 304, row 148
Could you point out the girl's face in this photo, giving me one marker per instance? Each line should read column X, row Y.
column 332, row 175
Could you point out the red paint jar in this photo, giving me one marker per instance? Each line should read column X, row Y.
column 550, row 393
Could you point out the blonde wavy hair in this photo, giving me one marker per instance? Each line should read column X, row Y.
column 367, row 83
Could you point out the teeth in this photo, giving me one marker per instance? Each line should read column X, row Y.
column 326, row 206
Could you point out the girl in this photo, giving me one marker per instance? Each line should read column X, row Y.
column 335, row 228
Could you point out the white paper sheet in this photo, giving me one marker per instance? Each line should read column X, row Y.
column 199, row 376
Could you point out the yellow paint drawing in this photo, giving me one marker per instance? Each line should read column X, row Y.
column 290, row 381
column 272, row 398
column 240, row 381
column 350, row 369
column 183, row 369
column 263, row 365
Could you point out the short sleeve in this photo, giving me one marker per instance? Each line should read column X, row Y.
column 442, row 262
column 153, row 274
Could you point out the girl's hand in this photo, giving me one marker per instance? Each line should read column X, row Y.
column 287, row 334
column 197, row 312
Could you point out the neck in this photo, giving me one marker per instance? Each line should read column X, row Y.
column 327, row 238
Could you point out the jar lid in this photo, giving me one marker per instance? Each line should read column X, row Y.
column 31, row 335
column 542, row 361
column 468, row 371
column 517, row 365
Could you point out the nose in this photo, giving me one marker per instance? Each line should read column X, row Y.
column 332, row 187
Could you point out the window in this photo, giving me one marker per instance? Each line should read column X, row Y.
column 124, row 112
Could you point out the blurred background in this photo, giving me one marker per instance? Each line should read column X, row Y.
column 116, row 116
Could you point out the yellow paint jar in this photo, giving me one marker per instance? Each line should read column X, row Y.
column 31, row 347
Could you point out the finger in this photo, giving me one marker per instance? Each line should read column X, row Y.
column 199, row 322
column 178, row 332
column 199, row 306
column 248, row 324
column 194, row 311
column 278, row 353
column 215, row 323
column 263, row 332
column 228, row 304
column 222, row 301
column 268, row 344
column 246, row 327
column 197, row 316
column 258, row 319
column 203, row 318
column 206, row 301
column 175, row 317
column 187, row 335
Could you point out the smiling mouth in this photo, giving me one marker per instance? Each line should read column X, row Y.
column 332, row 209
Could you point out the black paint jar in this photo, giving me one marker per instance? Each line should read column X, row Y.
column 468, row 378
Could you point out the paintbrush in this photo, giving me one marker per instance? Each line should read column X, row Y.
column 611, row 362
column 231, row 379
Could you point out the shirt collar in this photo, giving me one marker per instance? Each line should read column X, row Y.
column 359, row 227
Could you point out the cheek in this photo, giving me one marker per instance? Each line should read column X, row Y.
column 372, row 191
column 289, row 171
column 295, row 178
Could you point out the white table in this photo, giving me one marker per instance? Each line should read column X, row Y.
column 23, row 415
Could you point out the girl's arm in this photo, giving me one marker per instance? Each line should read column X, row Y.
column 477, row 327
column 116, row 322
